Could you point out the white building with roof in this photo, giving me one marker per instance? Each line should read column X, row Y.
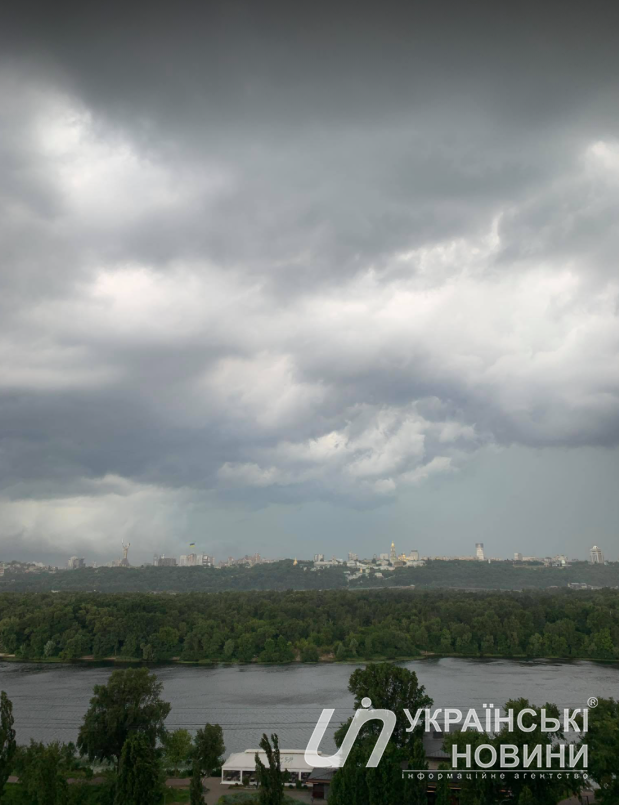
column 240, row 768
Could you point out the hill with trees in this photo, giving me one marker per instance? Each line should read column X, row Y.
column 285, row 575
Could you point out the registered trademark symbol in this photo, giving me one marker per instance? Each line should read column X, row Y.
column 592, row 702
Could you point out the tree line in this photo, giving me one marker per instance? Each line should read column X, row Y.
column 309, row 626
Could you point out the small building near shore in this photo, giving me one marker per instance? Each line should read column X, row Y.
column 320, row 781
column 240, row 768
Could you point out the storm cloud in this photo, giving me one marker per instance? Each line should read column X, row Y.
column 262, row 254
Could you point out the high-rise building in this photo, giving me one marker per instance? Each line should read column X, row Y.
column 413, row 556
column 319, row 557
column 207, row 561
column 596, row 557
column 517, row 557
column 76, row 562
column 352, row 557
column 479, row 551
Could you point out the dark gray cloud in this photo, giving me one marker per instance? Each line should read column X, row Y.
column 262, row 254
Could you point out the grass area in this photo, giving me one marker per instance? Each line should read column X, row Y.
column 173, row 795
column 90, row 795
column 79, row 794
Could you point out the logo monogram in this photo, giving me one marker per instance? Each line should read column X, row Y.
column 361, row 717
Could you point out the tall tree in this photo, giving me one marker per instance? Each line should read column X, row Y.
column 139, row 773
column 349, row 785
column 196, row 787
column 209, row 747
column 40, row 773
column 443, row 794
column 7, row 739
column 270, row 776
column 177, row 748
column 355, row 784
column 415, row 789
column 130, row 702
column 603, row 741
column 389, row 687
column 385, row 783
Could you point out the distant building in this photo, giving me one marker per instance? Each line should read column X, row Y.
column 319, row 557
column 207, row 561
column 167, row 561
column 353, row 557
column 517, row 557
column 479, row 551
column 247, row 560
column 320, row 781
column 408, row 562
column 322, row 563
column 393, row 556
column 596, row 557
column 240, row 768
column 124, row 562
column 413, row 556
column 76, row 562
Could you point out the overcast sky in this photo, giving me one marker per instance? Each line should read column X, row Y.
column 301, row 277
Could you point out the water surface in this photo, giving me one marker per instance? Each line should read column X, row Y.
column 49, row 701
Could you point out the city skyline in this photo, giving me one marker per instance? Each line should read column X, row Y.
column 395, row 555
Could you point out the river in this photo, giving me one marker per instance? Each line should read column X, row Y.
column 49, row 701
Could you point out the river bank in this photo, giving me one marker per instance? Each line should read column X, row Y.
column 174, row 661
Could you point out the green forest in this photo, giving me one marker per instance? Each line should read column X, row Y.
column 285, row 575
column 311, row 626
